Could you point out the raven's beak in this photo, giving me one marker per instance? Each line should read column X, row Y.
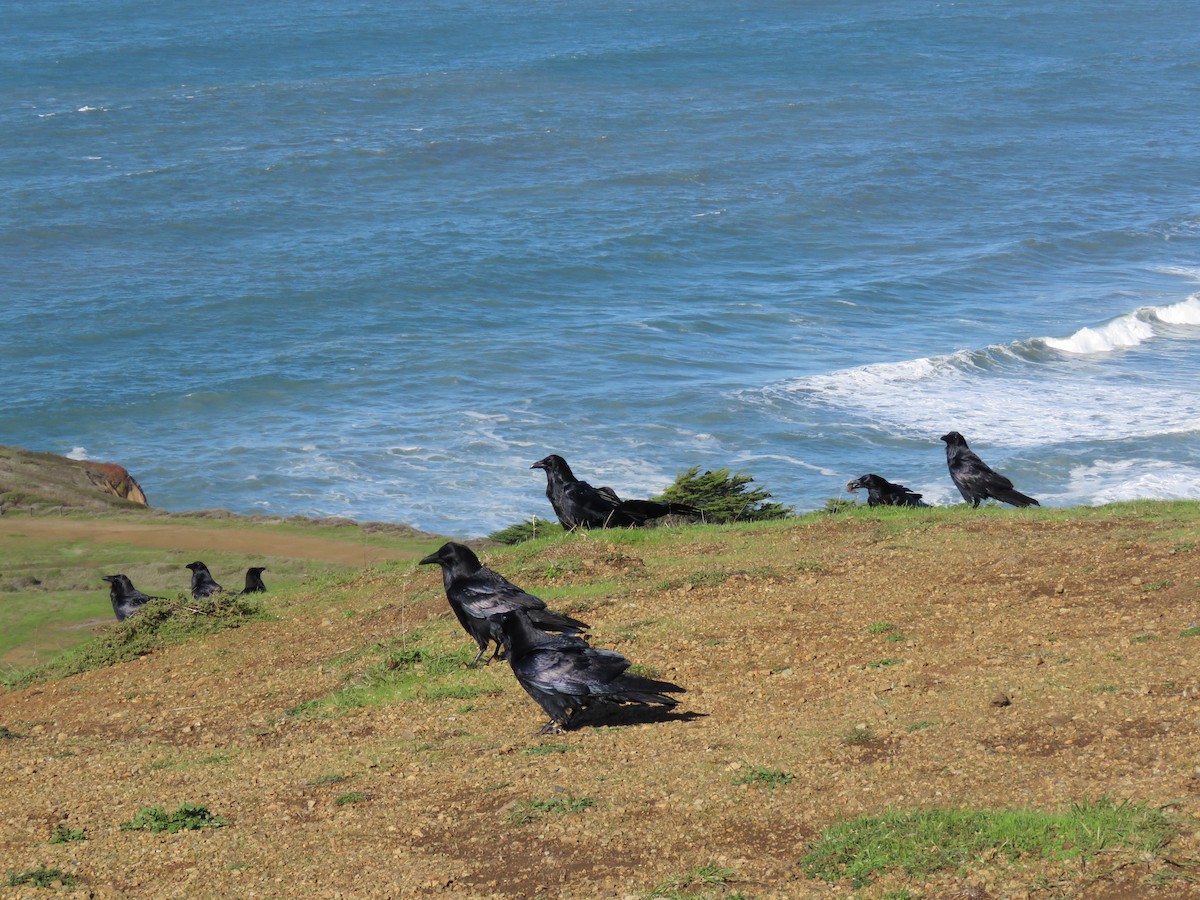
column 852, row 486
column 431, row 559
column 540, row 464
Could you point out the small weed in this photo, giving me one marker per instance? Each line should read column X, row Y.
column 531, row 810
column 1157, row 585
column 188, row 817
column 880, row 628
column 694, row 884
column 6, row 734
column 895, row 637
column 350, row 797
column 1143, row 639
column 42, row 877
column 879, row 664
column 920, row 726
column 1194, row 631
column 859, row 734
column 772, row 778
column 62, row 833
column 1183, row 548
column 328, row 778
column 1105, row 689
column 547, row 749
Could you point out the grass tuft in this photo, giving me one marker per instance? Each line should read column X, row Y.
column 771, row 778
column 920, row 843
column 701, row 882
column 531, row 810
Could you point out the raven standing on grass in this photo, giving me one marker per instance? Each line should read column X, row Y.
column 477, row 594
column 203, row 584
column 566, row 676
column 881, row 492
column 126, row 599
column 579, row 505
column 975, row 479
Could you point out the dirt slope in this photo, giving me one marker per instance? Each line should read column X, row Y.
column 780, row 636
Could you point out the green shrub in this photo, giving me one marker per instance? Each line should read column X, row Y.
column 723, row 496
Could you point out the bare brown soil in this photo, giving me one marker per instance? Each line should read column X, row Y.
column 1031, row 663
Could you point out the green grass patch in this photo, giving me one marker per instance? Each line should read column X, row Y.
column 702, row 882
column 884, row 663
column 880, row 628
column 423, row 667
column 1194, row 631
column 189, row 817
column 42, row 877
column 531, row 810
column 350, row 797
column 921, row 843
column 771, row 778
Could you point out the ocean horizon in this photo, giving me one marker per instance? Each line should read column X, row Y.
column 374, row 260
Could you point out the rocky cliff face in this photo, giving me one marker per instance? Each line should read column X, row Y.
column 114, row 479
column 32, row 480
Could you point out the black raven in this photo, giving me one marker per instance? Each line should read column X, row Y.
column 477, row 594
column 566, row 676
column 203, row 584
column 975, row 479
column 254, row 582
column 126, row 599
column 881, row 492
column 579, row 505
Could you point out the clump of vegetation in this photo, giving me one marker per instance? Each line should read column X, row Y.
column 699, row 882
column 771, row 778
column 920, row 843
column 189, row 817
column 42, row 877
column 62, row 833
column 7, row 734
column 723, row 496
column 525, row 531
column 859, row 734
column 1194, row 631
column 530, row 810
column 350, row 797
column 157, row 624
column 839, row 504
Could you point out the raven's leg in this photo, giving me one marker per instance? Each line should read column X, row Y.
column 474, row 664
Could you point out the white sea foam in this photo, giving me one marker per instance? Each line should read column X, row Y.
column 1110, row 481
column 78, row 453
column 1126, row 331
column 1186, row 312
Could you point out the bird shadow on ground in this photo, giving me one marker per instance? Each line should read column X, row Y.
column 617, row 716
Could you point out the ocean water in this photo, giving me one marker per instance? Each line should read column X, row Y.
column 373, row 259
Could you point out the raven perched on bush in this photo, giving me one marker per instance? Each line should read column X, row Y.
column 126, row 599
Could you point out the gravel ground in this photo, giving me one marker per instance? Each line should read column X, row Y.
column 1028, row 663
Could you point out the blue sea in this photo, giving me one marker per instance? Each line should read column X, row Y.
column 373, row 259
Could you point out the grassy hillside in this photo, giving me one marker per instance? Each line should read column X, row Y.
column 900, row 704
